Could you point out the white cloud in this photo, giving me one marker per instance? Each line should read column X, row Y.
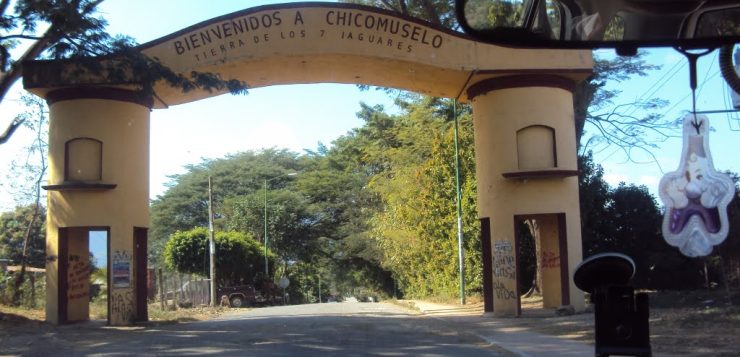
column 613, row 179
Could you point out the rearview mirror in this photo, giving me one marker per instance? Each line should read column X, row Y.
column 621, row 24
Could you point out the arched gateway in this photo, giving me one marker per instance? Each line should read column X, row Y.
column 524, row 136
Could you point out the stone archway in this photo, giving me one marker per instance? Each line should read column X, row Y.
column 511, row 90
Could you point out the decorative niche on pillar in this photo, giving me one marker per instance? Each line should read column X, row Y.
column 83, row 166
column 537, row 154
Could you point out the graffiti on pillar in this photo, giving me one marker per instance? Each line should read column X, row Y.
column 78, row 277
column 550, row 260
column 502, row 292
column 121, row 269
column 122, row 305
column 504, row 262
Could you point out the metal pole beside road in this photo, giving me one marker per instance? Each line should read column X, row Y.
column 211, row 243
column 460, row 238
column 267, row 269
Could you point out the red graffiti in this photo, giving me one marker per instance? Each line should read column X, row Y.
column 78, row 279
column 550, row 260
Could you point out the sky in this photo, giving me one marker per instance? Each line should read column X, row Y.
column 298, row 117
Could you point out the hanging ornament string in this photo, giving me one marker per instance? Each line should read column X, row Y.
column 693, row 57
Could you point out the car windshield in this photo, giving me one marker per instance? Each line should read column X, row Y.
column 365, row 178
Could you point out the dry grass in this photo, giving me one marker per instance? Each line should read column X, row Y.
column 10, row 316
column 20, row 314
column 199, row 313
column 701, row 322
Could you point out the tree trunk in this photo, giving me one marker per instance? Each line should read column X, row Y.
column 175, row 291
column 161, row 290
column 33, row 290
column 39, row 146
column 431, row 12
column 706, row 275
column 534, row 231
column 16, row 300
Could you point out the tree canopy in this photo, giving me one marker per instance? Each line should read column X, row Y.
column 14, row 227
column 239, row 258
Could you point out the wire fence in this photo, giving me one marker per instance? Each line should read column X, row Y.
column 173, row 289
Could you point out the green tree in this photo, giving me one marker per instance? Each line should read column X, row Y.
column 438, row 12
column 22, row 241
column 416, row 229
column 185, row 204
column 636, row 222
column 289, row 224
column 337, row 187
column 26, row 179
column 239, row 258
column 13, row 230
column 596, row 226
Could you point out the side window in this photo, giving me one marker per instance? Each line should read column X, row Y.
column 719, row 23
column 548, row 20
column 83, row 160
column 536, row 148
column 615, row 29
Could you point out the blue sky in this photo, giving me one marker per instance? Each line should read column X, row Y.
column 299, row 116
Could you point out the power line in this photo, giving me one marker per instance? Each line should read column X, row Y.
column 711, row 64
column 660, row 83
column 689, row 95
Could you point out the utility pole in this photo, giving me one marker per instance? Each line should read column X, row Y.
column 460, row 238
column 267, row 268
column 211, row 243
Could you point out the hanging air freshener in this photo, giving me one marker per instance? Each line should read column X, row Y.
column 695, row 195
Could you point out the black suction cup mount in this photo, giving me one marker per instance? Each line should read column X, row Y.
column 605, row 269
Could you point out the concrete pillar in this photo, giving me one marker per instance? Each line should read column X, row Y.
column 98, row 179
column 550, row 261
column 526, row 164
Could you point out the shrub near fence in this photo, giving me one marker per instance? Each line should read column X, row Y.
column 32, row 289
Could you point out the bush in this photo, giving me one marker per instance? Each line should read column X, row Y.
column 238, row 256
column 29, row 297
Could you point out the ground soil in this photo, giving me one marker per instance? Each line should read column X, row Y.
column 699, row 322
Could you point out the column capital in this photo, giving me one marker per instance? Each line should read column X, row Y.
column 109, row 93
column 520, row 81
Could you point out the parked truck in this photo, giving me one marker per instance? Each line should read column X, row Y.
column 240, row 295
column 247, row 295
